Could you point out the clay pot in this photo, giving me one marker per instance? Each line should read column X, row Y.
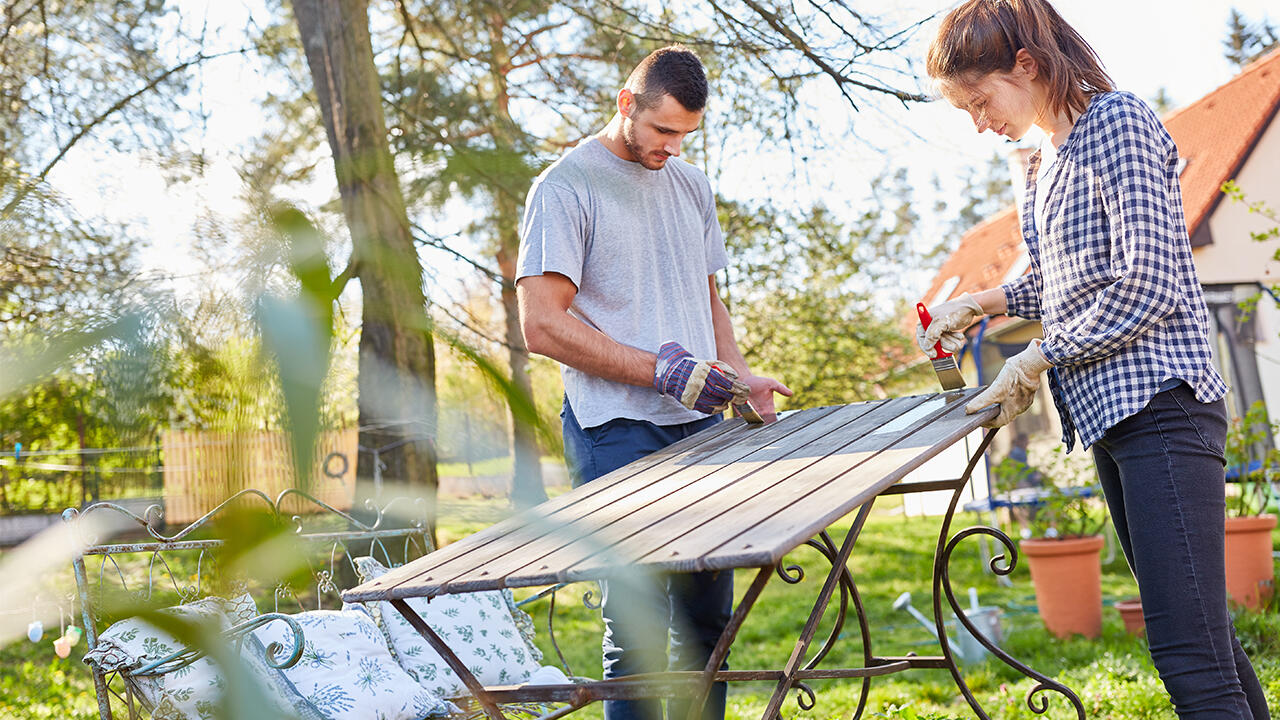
column 1131, row 614
column 1067, row 575
column 1250, row 566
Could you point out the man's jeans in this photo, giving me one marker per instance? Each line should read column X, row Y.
column 640, row 612
column 1162, row 472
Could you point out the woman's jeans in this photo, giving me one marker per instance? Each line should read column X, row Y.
column 1162, row 472
column 642, row 612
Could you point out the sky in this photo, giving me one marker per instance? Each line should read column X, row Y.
column 1145, row 44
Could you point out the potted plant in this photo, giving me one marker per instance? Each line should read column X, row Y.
column 1131, row 614
column 1252, row 464
column 1061, row 538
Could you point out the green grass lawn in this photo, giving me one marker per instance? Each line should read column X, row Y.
column 490, row 466
column 1113, row 674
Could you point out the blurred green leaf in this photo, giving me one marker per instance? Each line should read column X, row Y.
column 522, row 406
column 298, row 332
column 298, row 338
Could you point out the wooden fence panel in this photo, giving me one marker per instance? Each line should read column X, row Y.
column 204, row 468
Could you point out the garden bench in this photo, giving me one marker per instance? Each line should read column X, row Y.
column 277, row 645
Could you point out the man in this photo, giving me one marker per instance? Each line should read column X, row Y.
column 616, row 280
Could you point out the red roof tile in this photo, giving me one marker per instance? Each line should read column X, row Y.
column 985, row 254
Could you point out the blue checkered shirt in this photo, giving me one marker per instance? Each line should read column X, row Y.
column 1111, row 277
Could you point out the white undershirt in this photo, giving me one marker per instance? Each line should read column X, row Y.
column 1044, row 179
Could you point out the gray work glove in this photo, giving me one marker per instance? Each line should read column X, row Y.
column 1014, row 388
column 950, row 320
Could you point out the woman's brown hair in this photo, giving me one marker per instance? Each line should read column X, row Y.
column 983, row 36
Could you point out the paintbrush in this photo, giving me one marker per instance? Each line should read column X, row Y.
column 747, row 412
column 945, row 363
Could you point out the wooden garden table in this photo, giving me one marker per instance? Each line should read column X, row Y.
column 732, row 496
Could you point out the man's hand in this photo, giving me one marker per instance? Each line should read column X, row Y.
column 1014, row 388
column 762, row 390
column 950, row 319
column 704, row 385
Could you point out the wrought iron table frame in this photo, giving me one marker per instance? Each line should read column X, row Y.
column 796, row 673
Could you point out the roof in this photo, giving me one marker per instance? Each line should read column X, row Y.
column 986, row 254
column 1214, row 135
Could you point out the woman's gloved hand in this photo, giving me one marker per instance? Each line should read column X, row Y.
column 950, row 320
column 1014, row 388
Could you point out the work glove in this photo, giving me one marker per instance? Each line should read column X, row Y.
column 950, row 319
column 1014, row 388
column 708, row 386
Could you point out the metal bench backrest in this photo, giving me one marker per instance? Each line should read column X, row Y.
column 156, row 570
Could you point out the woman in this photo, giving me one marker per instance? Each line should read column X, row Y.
column 1125, row 325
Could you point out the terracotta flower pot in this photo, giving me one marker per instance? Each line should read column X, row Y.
column 1067, row 575
column 1250, row 567
column 1131, row 614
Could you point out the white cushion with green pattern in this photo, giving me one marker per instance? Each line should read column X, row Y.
column 188, row 693
column 479, row 628
column 347, row 672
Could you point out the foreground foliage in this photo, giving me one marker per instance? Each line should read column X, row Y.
column 1113, row 675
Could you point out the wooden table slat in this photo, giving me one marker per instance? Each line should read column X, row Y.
column 731, row 496
column 688, row 449
column 500, row 540
column 710, row 498
column 651, row 509
column 705, row 527
column 776, row 532
column 635, row 497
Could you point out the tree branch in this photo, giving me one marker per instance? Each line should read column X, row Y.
column 438, row 242
column 539, row 59
column 27, row 185
column 803, row 47
column 527, row 40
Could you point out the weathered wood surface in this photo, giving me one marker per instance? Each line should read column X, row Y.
column 732, row 496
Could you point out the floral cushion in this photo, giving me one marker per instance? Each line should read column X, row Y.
column 189, row 692
column 480, row 628
column 347, row 672
column 239, row 608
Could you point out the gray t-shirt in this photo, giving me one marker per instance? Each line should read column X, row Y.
column 639, row 245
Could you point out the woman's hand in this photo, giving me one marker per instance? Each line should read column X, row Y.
column 950, row 320
column 1014, row 388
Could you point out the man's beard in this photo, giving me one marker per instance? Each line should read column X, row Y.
column 633, row 146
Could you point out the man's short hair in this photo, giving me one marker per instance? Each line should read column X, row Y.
column 673, row 70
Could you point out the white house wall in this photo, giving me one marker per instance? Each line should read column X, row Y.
column 1234, row 257
column 1268, row 352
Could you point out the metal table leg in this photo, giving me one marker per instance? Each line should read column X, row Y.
column 721, row 650
column 450, row 659
column 789, row 671
column 1036, row 701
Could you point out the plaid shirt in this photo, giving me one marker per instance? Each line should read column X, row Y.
column 1111, row 278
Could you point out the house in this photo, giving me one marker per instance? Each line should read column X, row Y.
column 1231, row 133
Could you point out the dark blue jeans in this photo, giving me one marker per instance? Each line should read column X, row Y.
column 642, row 613
column 1162, row 472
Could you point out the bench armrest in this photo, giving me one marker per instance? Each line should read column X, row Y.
column 236, row 634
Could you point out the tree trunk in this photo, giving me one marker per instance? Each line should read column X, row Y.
column 527, row 489
column 396, row 384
